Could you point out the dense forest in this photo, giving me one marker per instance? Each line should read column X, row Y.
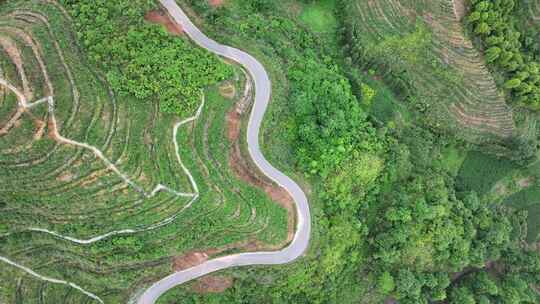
column 508, row 49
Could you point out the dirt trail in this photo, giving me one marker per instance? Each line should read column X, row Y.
column 12, row 121
column 460, row 10
column 189, row 259
column 10, row 47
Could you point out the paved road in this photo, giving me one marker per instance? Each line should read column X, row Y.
column 262, row 97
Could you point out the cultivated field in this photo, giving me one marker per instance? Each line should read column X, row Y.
column 99, row 192
column 427, row 48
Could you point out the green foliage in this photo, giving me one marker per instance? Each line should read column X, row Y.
column 512, row 83
column 409, row 48
column 422, row 230
column 509, row 281
column 426, row 227
column 319, row 16
column 494, row 23
column 527, row 200
column 479, row 172
column 368, row 93
column 462, row 295
column 493, row 53
column 386, row 283
column 332, row 127
column 332, row 132
column 141, row 59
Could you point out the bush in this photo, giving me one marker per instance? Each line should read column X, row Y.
column 493, row 22
column 142, row 59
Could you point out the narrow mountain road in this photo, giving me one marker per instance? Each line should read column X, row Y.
column 262, row 97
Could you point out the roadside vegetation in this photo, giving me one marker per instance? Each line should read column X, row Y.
column 422, row 178
column 406, row 208
column 46, row 183
column 132, row 54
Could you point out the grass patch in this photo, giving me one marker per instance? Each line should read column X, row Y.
column 452, row 159
column 385, row 107
column 319, row 16
column 480, row 172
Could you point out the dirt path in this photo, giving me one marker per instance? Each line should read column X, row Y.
column 15, row 56
column 460, row 10
column 25, row 105
column 51, row 280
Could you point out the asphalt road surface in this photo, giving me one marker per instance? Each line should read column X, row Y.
column 262, row 97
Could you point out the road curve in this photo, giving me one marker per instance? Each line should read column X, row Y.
column 262, row 84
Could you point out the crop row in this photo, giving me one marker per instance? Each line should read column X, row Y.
column 443, row 66
column 71, row 190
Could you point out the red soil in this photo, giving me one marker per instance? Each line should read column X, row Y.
column 159, row 17
column 216, row 3
column 244, row 171
column 51, row 129
column 213, row 284
column 206, row 284
column 188, row 260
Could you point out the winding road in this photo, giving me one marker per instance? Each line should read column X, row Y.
column 262, row 84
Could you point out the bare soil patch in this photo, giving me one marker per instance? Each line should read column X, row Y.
column 525, row 182
column 460, row 10
column 390, row 300
column 227, row 90
column 206, row 284
column 213, row 284
column 65, row 177
column 12, row 122
column 216, row 3
column 233, row 126
column 189, row 260
column 245, row 172
column 52, row 132
column 159, row 17
column 501, row 188
column 40, row 129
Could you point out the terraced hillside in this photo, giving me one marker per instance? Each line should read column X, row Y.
column 98, row 193
column 424, row 44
